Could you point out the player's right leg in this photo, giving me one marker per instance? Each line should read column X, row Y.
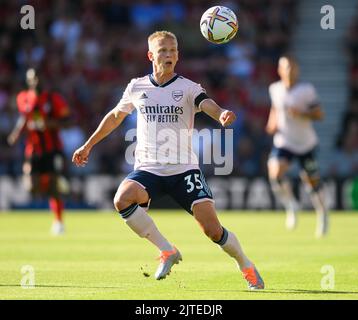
column 278, row 165
column 127, row 201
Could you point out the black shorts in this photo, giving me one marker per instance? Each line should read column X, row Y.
column 47, row 163
column 185, row 188
column 306, row 160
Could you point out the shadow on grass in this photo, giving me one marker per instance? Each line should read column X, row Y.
column 265, row 291
column 281, row 291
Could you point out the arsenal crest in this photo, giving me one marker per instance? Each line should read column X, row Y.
column 177, row 95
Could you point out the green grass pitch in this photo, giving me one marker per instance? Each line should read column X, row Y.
column 99, row 257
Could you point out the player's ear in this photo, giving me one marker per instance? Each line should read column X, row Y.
column 150, row 55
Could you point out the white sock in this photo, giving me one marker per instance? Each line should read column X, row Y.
column 233, row 248
column 143, row 225
column 317, row 199
column 318, row 202
column 284, row 192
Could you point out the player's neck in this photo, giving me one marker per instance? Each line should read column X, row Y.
column 34, row 89
column 289, row 83
column 162, row 78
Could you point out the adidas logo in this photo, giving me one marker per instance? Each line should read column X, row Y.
column 143, row 96
column 202, row 194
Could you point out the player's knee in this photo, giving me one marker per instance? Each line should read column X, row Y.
column 275, row 180
column 313, row 184
column 123, row 200
column 276, row 183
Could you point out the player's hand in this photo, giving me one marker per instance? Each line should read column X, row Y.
column 227, row 117
column 36, row 125
column 11, row 139
column 80, row 156
column 271, row 130
column 294, row 112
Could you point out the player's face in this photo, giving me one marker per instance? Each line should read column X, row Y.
column 288, row 69
column 31, row 79
column 163, row 52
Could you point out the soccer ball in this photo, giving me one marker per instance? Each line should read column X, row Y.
column 218, row 24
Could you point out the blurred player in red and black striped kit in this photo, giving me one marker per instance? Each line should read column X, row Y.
column 42, row 114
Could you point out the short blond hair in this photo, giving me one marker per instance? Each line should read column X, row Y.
column 162, row 34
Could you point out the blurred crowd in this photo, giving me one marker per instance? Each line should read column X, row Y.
column 89, row 50
column 345, row 157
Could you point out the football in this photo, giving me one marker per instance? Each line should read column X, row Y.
column 218, row 24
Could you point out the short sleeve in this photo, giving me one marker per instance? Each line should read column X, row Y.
column 25, row 99
column 125, row 104
column 198, row 94
column 311, row 96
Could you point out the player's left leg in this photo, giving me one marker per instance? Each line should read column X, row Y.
column 205, row 214
column 191, row 191
column 311, row 178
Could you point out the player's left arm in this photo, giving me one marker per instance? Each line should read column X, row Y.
column 314, row 113
column 223, row 116
column 313, row 110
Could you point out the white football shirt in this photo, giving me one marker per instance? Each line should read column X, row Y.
column 165, row 120
column 294, row 134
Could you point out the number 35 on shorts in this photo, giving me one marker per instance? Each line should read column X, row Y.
column 196, row 181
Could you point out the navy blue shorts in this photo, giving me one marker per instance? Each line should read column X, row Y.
column 185, row 188
column 306, row 160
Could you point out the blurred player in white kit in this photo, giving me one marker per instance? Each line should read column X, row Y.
column 294, row 107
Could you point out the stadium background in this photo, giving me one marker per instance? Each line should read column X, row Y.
column 89, row 50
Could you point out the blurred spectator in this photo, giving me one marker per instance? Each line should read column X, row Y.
column 241, row 54
column 66, row 30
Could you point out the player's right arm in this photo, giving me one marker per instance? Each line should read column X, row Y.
column 16, row 132
column 110, row 122
column 271, row 126
column 22, row 100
